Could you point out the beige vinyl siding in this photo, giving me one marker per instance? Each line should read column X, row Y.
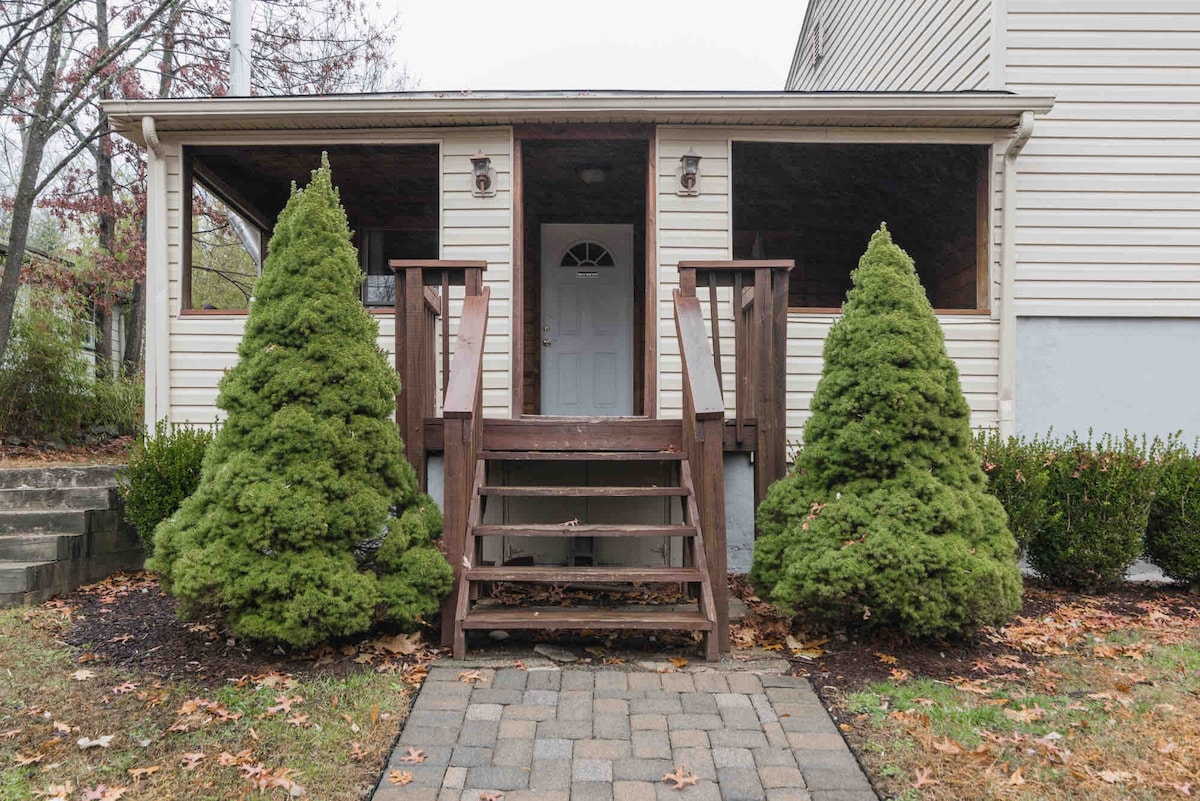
column 700, row 228
column 884, row 45
column 202, row 347
column 1108, row 200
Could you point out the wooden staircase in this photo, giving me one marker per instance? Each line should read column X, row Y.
column 693, row 574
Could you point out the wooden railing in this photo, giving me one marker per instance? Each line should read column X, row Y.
column 703, row 447
column 758, row 295
column 462, row 411
column 422, row 300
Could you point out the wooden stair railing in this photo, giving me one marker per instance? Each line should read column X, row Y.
column 422, row 292
column 463, row 426
column 759, row 294
column 703, row 446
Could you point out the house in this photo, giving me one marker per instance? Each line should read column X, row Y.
column 1099, row 293
column 607, row 308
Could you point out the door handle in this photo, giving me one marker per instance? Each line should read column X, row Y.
column 546, row 343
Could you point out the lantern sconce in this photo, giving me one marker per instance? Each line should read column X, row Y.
column 483, row 176
column 688, row 174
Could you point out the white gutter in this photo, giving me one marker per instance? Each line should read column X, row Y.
column 1008, row 281
column 157, row 379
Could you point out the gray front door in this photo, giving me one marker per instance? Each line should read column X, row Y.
column 587, row 319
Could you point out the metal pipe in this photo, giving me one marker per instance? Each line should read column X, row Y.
column 239, row 48
column 1007, row 378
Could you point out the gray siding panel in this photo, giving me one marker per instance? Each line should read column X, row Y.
column 885, row 45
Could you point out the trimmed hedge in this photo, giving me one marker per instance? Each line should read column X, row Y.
column 1173, row 530
column 163, row 470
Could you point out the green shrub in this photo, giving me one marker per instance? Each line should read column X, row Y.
column 886, row 518
column 1173, row 529
column 114, row 407
column 307, row 523
column 1016, row 473
column 1097, row 502
column 163, row 470
column 44, row 377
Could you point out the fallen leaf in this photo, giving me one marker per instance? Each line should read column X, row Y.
column 283, row 704
column 56, row 792
column 83, row 674
column 357, row 752
column 22, row 759
column 122, row 689
column 138, row 773
column 123, row 638
column 300, row 721
column 677, row 661
column 947, row 746
column 682, row 777
column 104, row 741
column 487, row 796
column 1016, row 779
column 8, row 735
column 102, row 792
column 1028, row 715
column 402, row 644
column 191, row 760
column 924, row 777
column 470, row 676
column 887, row 659
column 413, row 756
column 1116, row 776
column 401, row 777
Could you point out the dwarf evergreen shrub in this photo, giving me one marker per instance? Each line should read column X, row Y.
column 163, row 470
column 307, row 523
column 885, row 518
column 1173, row 529
column 1098, row 499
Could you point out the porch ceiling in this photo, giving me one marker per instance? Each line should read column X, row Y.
column 436, row 109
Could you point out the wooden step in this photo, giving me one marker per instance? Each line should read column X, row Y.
column 580, row 456
column 590, row 530
column 557, row 617
column 585, row 575
column 585, row 492
column 582, row 434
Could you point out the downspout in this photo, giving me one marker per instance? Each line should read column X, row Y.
column 1008, row 280
column 158, row 347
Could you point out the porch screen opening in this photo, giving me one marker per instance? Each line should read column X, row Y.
column 820, row 203
column 390, row 193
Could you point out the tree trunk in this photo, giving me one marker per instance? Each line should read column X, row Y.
column 34, row 145
column 105, row 192
column 135, row 331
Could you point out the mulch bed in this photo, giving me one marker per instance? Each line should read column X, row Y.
column 853, row 661
column 41, row 454
column 128, row 621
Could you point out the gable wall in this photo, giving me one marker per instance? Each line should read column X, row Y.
column 202, row 347
column 881, row 45
column 1108, row 190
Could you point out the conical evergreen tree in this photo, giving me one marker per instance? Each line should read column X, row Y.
column 885, row 517
column 307, row 522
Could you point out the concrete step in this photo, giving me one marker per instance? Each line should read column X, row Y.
column 56, row 498
column 43, row 522
column 45, row 477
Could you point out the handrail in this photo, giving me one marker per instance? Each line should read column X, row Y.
column 703, row 447
column 702, row 382
column 466, row 370
column 462, row 409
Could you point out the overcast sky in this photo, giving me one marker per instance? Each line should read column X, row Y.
column 611, row 44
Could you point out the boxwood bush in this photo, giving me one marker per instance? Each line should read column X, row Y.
column 1097, row 503
column 163, row 470
column 1017, row 476
column 1173, row 529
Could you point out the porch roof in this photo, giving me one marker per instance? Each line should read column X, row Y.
column 454, row 109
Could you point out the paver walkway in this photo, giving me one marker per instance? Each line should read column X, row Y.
column 552, row 734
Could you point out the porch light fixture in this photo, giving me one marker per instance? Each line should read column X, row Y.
column 688, row 174
column 484, row 176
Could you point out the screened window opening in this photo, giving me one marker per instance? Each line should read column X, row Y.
column 390, row 194
column 819, row 204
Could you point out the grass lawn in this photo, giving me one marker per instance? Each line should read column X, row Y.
column 112, row 718
column 1080, row 698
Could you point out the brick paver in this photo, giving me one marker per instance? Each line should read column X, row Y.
column 578, row 734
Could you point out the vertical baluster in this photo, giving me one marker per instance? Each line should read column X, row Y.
column 716, row 330
column 740, row 364
column 445, row 329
